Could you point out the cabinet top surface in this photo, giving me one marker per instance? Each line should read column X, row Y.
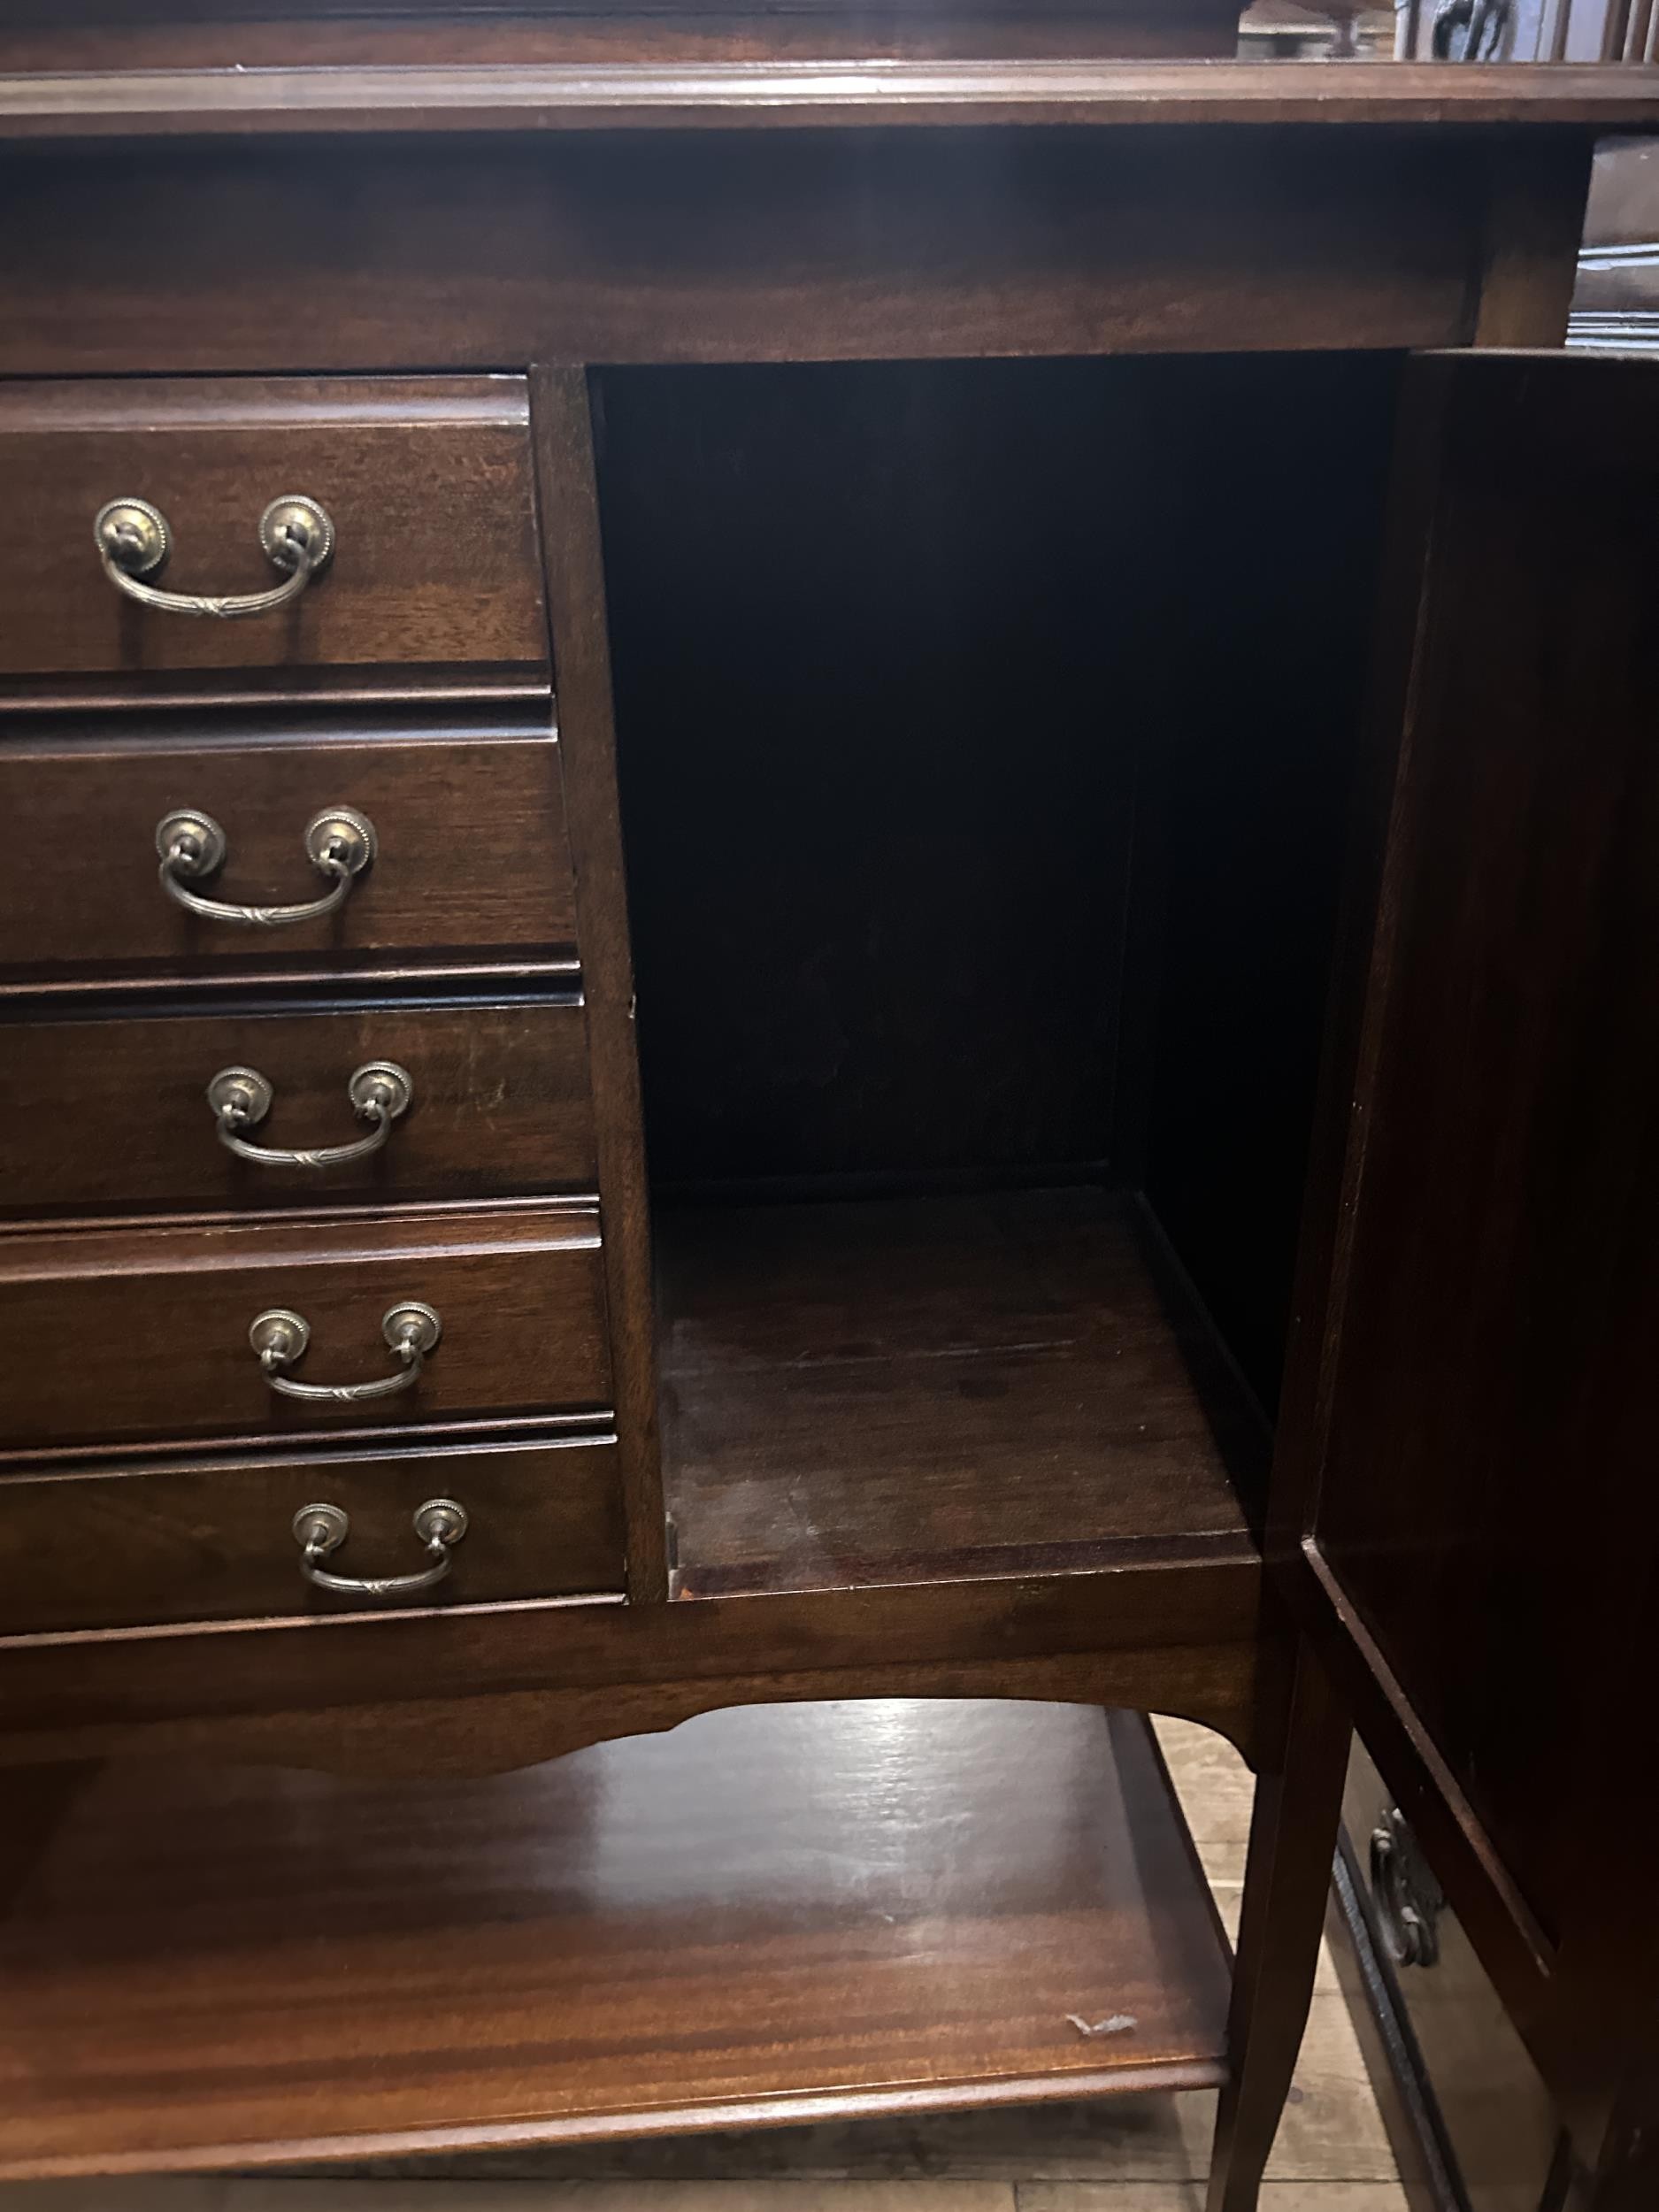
column 218, row 101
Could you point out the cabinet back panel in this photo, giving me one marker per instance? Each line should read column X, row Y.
column 877, row 669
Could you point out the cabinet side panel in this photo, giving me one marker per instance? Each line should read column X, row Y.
column 562, row 427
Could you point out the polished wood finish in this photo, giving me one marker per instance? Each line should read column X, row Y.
column 132, row 1336
column 474, row 1690
column 470, row 820
column 427, row 481
column 564, row 220
column 790, row 94
column 1472, row 1439
column 576, row 603
column 916, row 1390
column 1286, row 1876
column 502, row 1108
column 758, row 245
column 1499, row 743
column 874, row 1907
column 399, row 33
column 37, row 1799
column 211, row 1540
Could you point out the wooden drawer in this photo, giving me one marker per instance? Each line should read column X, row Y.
column 110, row 1115
column 427, row 482
column 470, row 861
column 131, row 1336
column 1459, row 2052
column 213, row 1541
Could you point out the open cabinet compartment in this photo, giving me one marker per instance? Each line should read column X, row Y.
column 986, row 737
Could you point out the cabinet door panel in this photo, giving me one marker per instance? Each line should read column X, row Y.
column 1484, row 1507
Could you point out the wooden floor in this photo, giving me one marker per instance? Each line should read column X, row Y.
column 1121, row 2154
column 894, row 1390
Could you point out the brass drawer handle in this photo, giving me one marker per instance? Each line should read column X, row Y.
column 320, row 1530
column 134, row 542
column 240, row 1098
column 279, row 1337
column 1407, row 1898
column 340, row 843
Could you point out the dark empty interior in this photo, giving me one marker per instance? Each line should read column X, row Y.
column 986, row 732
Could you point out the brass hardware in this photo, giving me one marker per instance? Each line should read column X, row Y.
column 1407, row 1898
column 279, row 1336
column 240, row 1098
column 133, row 541
column 340, row 843
column 133, row 537
column 320, row 1530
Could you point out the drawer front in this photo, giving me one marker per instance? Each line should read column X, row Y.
column 1500, row 2125
column 215, row 1542
column 112, row 1116
column 427, row 482
column 109, row 1337
column 470, row 854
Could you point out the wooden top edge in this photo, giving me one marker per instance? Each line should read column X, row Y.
column 493, row 400
column 779, row 95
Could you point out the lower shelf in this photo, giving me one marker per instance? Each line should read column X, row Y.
column 771, row 1914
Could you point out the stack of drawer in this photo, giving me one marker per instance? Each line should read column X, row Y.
column 301, row 1298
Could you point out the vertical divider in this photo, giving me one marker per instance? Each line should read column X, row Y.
column 561, row 423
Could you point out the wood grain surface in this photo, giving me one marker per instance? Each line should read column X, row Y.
column 1482, row 1542
column 764, row 1915
column 142, row 1335
column 108, row 1113
column 103, row 35
column 1543, row 1157
column 427, row 481
column 470, row 821
column 781, row 95
column 751, row 245
column 910, row 1390
column 474, row 1689
column 205, row 1541
column 576, row 577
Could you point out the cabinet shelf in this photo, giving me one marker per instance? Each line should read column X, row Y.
column 772, row 1914
column 908, row 1390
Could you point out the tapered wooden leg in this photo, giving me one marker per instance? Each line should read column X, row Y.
column 35, row 1799
column 1286, row 1879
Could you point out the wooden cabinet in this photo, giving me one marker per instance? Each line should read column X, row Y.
column 1021, row 1022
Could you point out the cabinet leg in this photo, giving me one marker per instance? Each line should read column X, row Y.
column 35, row 1799
column 1286, row 1879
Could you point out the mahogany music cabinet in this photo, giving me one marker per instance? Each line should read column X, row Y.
column 918, row 550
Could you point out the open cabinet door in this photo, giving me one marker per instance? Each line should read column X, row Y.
column 1468, row 1496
